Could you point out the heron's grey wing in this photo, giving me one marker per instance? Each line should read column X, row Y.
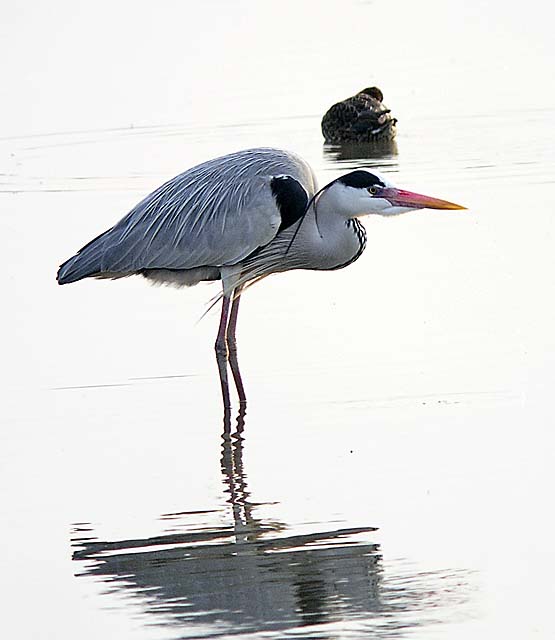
column 214, row 214
column 186, row 225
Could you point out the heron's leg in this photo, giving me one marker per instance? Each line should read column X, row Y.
column 232, row 345
column 221, row 350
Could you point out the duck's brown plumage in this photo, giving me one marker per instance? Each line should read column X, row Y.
column 360, row 118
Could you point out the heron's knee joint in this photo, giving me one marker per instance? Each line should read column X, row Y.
column 221, row 349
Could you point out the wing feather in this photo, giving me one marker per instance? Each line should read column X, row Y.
column 214, row 214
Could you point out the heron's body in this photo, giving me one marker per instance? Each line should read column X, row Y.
column 239, row 218
column 211, row 216
column 359, row 119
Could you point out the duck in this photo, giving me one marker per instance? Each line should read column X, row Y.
column 360, row 118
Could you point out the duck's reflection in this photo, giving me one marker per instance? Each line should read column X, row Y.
column 381, row 153
column 249, row 575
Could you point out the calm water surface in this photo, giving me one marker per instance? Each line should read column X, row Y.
column 393, row 474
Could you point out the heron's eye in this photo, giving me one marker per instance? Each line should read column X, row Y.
column 373, row 190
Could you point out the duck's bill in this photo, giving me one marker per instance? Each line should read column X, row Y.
column 402, row 198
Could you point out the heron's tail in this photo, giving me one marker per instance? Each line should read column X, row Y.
column 85, row 263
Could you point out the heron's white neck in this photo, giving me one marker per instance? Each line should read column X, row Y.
column 327, row 238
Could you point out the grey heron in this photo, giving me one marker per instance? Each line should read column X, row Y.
column 240, row 218
column 362, row 118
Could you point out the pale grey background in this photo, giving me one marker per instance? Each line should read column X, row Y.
column 411, row 392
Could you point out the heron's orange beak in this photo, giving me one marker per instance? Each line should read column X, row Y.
column 402, row 198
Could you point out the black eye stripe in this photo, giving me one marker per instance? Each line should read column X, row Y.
column 360, row 179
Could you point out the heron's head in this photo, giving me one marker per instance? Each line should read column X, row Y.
column 361, row 193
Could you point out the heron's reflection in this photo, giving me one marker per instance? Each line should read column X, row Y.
column 247, row 528
column 232, row 464
column 248, row 575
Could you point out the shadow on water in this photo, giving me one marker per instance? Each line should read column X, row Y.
column 253, row 575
